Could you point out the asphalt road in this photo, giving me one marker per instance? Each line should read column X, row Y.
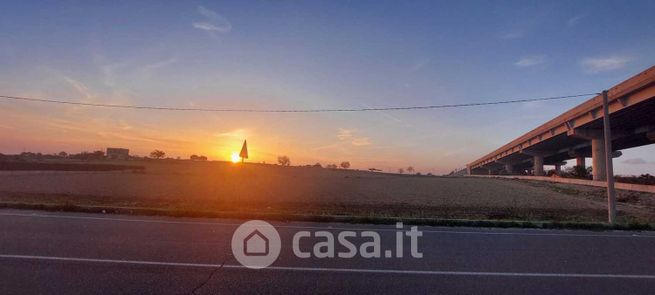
column 68, row 253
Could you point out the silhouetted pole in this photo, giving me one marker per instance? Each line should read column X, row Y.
column 611, row 193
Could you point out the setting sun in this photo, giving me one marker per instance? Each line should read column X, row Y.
column 235, row 157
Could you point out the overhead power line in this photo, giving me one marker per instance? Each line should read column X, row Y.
column 237, row 110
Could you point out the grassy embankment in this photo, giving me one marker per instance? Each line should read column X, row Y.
column 219, row 189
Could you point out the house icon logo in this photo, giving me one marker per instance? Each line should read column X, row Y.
column 256, row 244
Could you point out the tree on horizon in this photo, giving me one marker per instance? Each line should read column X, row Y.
column 157, row 154
column 284, row 161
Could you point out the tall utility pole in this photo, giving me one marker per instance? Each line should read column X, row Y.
column 611, row 193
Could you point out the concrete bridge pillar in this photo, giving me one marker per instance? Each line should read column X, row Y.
column 538, row 161
column 509, row 169
column 598, row 162
column 580, row 161
column 598, row 158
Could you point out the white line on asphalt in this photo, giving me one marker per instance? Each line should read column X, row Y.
column 328, row 227
column 347, row 270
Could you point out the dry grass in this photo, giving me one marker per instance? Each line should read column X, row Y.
column 224, row 187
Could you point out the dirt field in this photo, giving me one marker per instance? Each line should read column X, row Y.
column 224, row 187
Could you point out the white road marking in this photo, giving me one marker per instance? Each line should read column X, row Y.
column 328, row 227
column 346, row 270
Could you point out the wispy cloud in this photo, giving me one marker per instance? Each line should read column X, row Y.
column 348, row 135
column 122, row 124
column 159, row 64
column 637, row 161
column 361, row 141
column 7, row 127
column 530, row 61
column 345, row 134
column 211, row 27
column 419, row 65
column 597, row 65
column 511, row 35
column 149, row 69
column 237, row 133
column 212, row 22
column 111, row 71
column 207, row 13
column 575, row 20
column 332, row 146
column 80, row 88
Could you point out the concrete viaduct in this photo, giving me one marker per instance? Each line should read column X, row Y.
column 578, row 133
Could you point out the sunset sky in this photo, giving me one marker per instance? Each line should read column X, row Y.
column 299, row 55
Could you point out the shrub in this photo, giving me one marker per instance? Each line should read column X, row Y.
column 157, row 154
column 284, row 161
column 578, row 172
column 646, row 179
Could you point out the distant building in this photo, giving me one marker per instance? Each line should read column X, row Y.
column 118, row 154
